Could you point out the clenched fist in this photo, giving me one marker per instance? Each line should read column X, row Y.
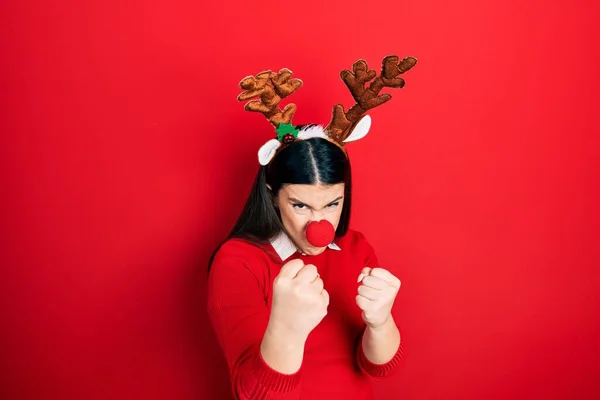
column 376, row 294
column 299, row 299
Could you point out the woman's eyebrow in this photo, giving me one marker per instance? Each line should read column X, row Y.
column 337, row 199
column 294, row 200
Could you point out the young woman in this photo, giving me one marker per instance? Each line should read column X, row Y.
column 299, row 303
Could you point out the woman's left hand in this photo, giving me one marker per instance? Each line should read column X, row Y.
column 376, row 294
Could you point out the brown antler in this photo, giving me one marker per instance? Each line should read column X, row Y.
column 366, row 98
column 271, row 87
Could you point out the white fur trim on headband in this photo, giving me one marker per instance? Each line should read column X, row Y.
column 360, row 130
column 267, row 151
column 312, row 132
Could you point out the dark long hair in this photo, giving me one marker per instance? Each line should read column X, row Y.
column 310, row 161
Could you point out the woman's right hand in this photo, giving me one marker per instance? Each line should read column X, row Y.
column 299, row 300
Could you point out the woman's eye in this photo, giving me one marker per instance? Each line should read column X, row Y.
column 299, row 206
column 332, row 205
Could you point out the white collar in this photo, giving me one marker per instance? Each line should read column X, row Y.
column 284, row 246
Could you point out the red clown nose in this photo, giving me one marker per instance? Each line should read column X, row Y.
column 320, row 233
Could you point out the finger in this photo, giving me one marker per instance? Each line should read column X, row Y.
column 362, row 302
column 325, row 297
column 386, row 276
column 369, row 293
column 375, row 283
column 317, row 285
column 366, row 271
column 291, row 269
column 308, row 273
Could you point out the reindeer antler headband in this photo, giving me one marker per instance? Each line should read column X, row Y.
column 345, row 126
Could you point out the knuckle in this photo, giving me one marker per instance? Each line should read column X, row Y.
column 310, row 268
column 297, row 290
column 293, row 263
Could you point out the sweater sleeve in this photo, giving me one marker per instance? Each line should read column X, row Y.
column 239, row 314
column 375, row 371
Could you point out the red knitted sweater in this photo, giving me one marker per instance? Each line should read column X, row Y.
column 334, row 365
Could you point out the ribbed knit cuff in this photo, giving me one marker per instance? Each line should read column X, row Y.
column 377, row 371
column 271, row 379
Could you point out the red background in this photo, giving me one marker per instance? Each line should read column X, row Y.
column 126, row 158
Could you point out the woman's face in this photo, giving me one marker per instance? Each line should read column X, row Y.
column 301, row 204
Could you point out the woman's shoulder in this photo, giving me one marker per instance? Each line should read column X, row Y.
column 240, row 253
column 238, row 273
column 356, row 242
column 353, row 238
column 241, row 248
